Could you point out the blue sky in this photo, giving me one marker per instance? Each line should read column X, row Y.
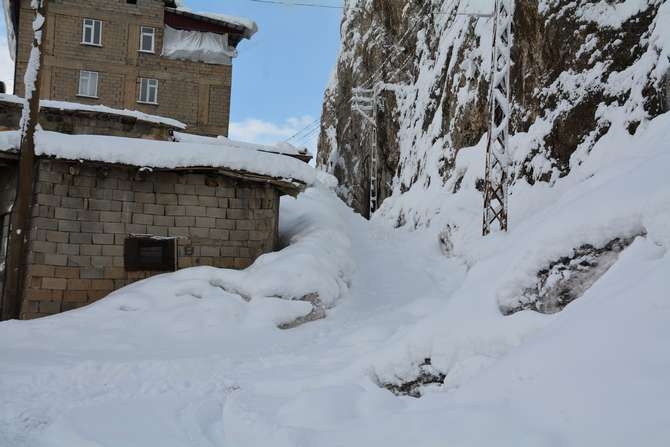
column 280, row 74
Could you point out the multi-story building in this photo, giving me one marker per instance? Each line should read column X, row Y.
column 146, row 55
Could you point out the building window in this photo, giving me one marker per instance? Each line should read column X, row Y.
column 148, row 91
column 150, row 254
column 92, row 34
column 88, row 84
column 147, row 39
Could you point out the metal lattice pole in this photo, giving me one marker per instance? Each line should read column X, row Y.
column 374, row 171
column 497, row 159
column 364, row 101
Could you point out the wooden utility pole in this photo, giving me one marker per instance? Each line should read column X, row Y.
column 21, row 211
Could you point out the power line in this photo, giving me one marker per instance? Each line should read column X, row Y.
column 302, row 4
column 390, row 58
column 402, row 38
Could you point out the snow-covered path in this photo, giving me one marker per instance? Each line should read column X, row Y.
column 183, row 360
column 77, row 379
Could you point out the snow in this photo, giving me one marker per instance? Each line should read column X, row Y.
column 30, row 77
column 62, row 105
column 9, row 28
column 281, row 147
column 476, row 7
column 195, row 357
column 162, row 154
column 611, row 15
column 196, row 46
column 250, row 25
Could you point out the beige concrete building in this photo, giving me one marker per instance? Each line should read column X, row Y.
column 145, row 55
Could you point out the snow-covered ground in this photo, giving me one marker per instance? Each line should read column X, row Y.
column 195, row 358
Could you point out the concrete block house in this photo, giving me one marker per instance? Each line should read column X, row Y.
column 134, row 175
column 108, row 211
column 146, row 55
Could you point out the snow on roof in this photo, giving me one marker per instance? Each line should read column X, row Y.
column 163, row 154
column 250, row 26
column 280, row 147
column 62, row 105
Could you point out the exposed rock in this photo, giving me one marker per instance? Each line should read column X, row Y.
column 318, row 312
column 568, row 278
column 433, row 65
column 427, row 376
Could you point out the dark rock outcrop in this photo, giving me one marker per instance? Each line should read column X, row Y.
column 572, row 62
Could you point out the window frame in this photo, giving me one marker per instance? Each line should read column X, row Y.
column 92, row 43
column 146, row 100
column 97, row 84
column 153, row 39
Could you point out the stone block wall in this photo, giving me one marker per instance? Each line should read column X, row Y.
column 83, row 213
column 195, row 93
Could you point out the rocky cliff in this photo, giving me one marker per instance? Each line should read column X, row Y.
column 580, row 69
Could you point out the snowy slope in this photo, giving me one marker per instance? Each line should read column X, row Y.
column 195, row 358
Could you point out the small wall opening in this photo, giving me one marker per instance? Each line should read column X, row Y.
column 150, row 254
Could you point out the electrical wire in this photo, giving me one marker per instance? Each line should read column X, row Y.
column 309, row 129
column 302, row 4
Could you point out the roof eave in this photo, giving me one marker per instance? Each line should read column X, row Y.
column 244, row 31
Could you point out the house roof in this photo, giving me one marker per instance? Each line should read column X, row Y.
column 287, row 174
column 282, row 148
column 237, row 28
column 99, row 109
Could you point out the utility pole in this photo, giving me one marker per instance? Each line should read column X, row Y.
column 497, row 151
column 364, row 102
column 21, row 211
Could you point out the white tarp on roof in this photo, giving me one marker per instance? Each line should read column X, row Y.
column 197, row 46
column 63, row 105
column 163, row 154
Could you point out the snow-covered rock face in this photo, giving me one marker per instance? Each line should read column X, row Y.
column 580, row 68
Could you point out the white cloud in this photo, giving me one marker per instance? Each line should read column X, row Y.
column 264, row 132
column 6, row 66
